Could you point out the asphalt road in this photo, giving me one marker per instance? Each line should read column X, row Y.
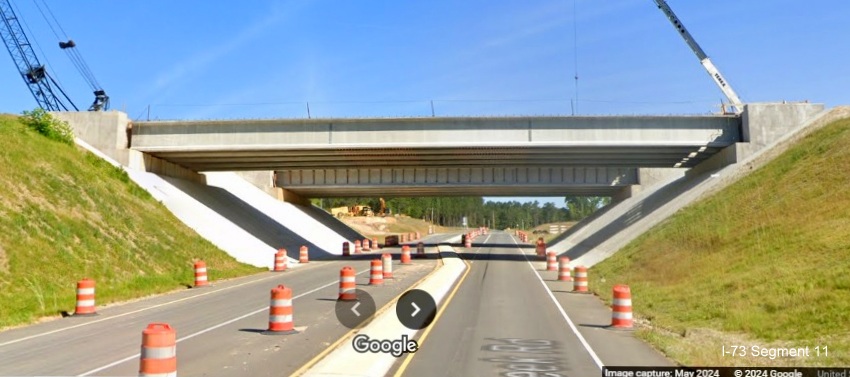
column 218, row 328
column 503, row 321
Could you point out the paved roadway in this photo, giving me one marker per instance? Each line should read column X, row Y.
column 503, row 321
column 218, row 328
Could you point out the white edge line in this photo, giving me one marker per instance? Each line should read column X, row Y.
column 135, row 311
column 561, row 309
column 190, row 336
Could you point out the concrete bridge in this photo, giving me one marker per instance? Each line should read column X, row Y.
column 441, row 156
column 537, row 155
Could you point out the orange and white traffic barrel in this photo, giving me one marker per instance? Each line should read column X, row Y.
column 541, row 247
column 201, row 274
column 551, row 261
column 159, row 351
column 280, row 261
column 345, row 249
column 405, row 254
column 280, row 312
column 375, row 243
column 467, row 243
column 403, row 238
column 418, row 235
column 357, row 247
column 580, row 281
column 303, row 255
column 621, row 314
column 387, row 263
column 367, row 244
column 376, row 273
column 347, row 284
column 85, row 298
column 564, row 269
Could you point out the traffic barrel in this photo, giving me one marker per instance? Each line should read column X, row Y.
column 418, row 235
column 375, row 244
column 420, row 249
column 280, row 261
column 411, row 236
column 280, row 312
column 159, row 351
column 347, row 284
column 621, row 310
column 541, row 247
column 564, row 269
column 468, row 242
column 367, row 245
column 201, row 274
column 376, row 274
column 405, row 254
column 303, row 254
column 345, row 249
column 85, row 298
column 551, row 261
column 403, row 238
column 357, row 247
column 580, row 281
column 387, row 262
column 430, row 229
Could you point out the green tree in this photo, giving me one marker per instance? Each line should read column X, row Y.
column 580, row 207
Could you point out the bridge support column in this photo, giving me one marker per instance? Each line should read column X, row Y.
column 291, row 197
column 145, row 162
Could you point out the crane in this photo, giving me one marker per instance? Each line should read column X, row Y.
column 725, row 87
column 43, row 87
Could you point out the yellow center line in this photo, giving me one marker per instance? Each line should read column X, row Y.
column 427, row 331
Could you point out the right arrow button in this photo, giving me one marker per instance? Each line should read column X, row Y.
column 416, row 309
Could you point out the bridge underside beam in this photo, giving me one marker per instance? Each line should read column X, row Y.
column 453, row 190
column 456, row 181
column 232, row 159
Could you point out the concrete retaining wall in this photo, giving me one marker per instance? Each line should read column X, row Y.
column 595, row 239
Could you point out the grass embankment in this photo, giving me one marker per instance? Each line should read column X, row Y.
column 65, row 215
column 765, row 262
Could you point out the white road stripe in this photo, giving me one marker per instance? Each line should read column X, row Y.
column 204, row 331
column 134, row 311
column 563, row 313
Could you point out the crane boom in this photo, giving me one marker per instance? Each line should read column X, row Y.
column 35, row 75
column 712, row 70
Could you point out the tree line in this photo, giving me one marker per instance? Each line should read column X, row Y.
column 450, row 211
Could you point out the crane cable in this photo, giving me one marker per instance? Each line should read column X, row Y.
column 575, row 53
column 73, row 54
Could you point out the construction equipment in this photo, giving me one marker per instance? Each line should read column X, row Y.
column 737, row 105
column 339, row 212
column 362, row 210
column 357, row 210
column 382, row 211
column 41, row 84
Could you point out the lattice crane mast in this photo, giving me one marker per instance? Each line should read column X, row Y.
column 41, row 84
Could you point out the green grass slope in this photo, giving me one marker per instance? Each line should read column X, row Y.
column 765, row 262
column 65, row 215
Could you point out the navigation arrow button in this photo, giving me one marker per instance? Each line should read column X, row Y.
column 416, row 309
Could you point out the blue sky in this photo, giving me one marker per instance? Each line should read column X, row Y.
column 193, row 59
